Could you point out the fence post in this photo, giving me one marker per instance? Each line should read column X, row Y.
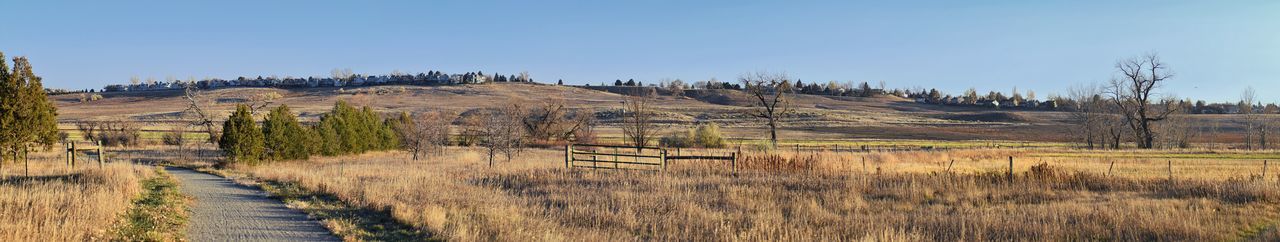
column 568, row 156
column 73, row 154
column 1170, row 169
column 26, row 161
column 1264, row 170
column 864, row 165
column 1011, row 169
column 1109, row 168
column 66, row 152
column 664, row 160
column 953, row 162
column 100, row 155
column 734, row 163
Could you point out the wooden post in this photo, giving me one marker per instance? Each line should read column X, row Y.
column 864, row 164
column 1264, row 170
column 101, row 160
column 1170, row 169
column 953, row 162
column 73, row 154
column 26, row 161
column 664, row 160
column 734, row 163
column 66, row 152
column 1011, row 169
column 1109, row 168
column 568, row 156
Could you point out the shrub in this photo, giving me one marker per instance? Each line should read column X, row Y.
column 708, row 136
column 705, row 135
column 242, row 140
column 676, row 140
column 119, row 133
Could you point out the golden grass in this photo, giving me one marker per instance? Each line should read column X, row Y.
column 799, row 197
column 56, row 203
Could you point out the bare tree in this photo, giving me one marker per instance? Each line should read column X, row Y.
column 88, row 130
column 202, row 117
column 1089, row 115
column 552, row 121
column 426, row 132
column 1251, row 118
column 772, row 103
column 1134, row 92
column 502, row 131
column 638, row 125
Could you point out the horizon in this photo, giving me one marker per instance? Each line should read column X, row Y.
column 1215, row 49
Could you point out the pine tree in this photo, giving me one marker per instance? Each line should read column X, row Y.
column 286, row 139
column 8, row 110
column 242, row 141
column 26, row 114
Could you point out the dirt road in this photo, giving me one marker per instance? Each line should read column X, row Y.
column 225, row 211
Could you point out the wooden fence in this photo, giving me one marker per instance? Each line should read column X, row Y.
column 594, row 156
column 72, row 151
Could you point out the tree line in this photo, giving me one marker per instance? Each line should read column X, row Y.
column 1127, row 109
column 343, row 130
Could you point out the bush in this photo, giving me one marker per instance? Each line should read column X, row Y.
column 119, row 133
column 705, row 136
column 708, row 136
column 676, row 140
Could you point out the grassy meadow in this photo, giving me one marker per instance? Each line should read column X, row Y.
column 57, row 203
column 805, row 196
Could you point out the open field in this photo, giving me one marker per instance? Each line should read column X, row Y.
column 56, row 203
column 806, row 196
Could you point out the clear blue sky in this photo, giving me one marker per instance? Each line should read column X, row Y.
column 1217, row 48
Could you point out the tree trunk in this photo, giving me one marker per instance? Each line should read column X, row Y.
column 773, row 133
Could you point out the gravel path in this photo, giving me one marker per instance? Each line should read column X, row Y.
column 225, row 211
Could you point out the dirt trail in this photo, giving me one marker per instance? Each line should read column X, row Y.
column 225, row 211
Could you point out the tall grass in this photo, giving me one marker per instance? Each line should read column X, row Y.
column 56, row 203
column 790, row 197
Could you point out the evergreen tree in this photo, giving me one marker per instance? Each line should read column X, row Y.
column 242, row 141
column 8, row 110
column 286, row 139
column 26, row 114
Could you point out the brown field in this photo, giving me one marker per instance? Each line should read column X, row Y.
column 803, row 197
column 1057, row 193
column 57, row 203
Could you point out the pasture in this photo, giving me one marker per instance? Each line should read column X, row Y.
column 811, row 195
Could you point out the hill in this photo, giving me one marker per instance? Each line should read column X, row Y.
column 817, row 117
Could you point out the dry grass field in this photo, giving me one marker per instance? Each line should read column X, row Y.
column 57, row 203
column 804, row 196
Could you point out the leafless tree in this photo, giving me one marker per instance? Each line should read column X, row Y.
column 202, row 117
column 772, row 103
column 1089, row 116
column 1134, row 93
column 502, row 131
column 1257, row 125
column 553, row 121
column 1176, row 131
column 426, row 132
column 88, row 130
column 638, row 125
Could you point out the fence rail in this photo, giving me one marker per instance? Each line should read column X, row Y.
column 637, row 160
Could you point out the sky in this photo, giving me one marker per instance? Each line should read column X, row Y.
column 1215, row 48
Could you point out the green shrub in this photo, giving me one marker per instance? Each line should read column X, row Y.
column 242, row 141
